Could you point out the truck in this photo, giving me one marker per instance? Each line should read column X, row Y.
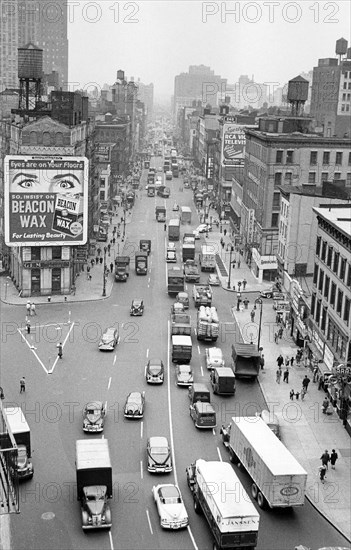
column 175, row 280
column 207, row 258
column 175, row 170
column 191, row 272
column 188, row 251
column 181, row 348
column 180, row 323
column 278, row 480
column 122, row 268
column 160, row 212
column 141, row 258
column 94, row 482
column 233, row 520
column 202, row 295
column 145, row 245
column 223, row 381
column 207, row 327
column 21, row 432
column 246, row 360
column 150, row 190
column 185, row 214
column 174, row 229
column 189, row 238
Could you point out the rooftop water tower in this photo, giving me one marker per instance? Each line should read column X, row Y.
column 297, row 94
column 30, row 74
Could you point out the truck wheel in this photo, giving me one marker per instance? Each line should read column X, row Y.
column 254, row 490
column 233, row 457
column 197, row 506
column 261, row 501
column 215, row 547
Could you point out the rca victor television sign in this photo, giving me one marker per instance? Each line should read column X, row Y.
column 45, row 200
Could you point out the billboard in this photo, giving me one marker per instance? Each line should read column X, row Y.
column 45, row 200
column 233, row 143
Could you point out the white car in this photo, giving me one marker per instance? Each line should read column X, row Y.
column 202, row 228
column 170, row 506
column 171, row 256
column 169, row 175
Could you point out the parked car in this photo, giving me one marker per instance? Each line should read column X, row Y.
column 213, row 280
column 271, row 420
column 202, row 228
column 170, row 506
column 94, row 417
column 171, row 256
column 184, row 375
column 159, row 459
column 109, row 339
column 183, row 298
column 155, row 372
column 171, row 246
column 135, row 405
column 275, row 289
column 175, row 207
column 137, row 307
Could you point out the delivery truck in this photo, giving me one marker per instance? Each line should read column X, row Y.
column 141, row 258
column 207, row 327
column 202, row 295
column 278, row 480
column 185, row 214
column 218, row 493
column 207, row 258
column 246, row 360
column 21, row 432
column 174, row 229
column 191, row 271
column 223, row 381
column 175, row 280
column 160, row 212
column 180, row 323
column 122, row 268
column 188, row 251
column 182, row 348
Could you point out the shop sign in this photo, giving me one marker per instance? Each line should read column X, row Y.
column 328, row 357
column 46, row 264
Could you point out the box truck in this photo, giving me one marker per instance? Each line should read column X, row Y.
column 207, row 258
column 246, row 360
column 21, row 432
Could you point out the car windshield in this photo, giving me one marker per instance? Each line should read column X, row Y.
column 184, row 369
column 134, row 398
column 170, row 495
column 93, row 411
column 159, row 452
column 155, row 368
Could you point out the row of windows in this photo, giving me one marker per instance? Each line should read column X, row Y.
column 347, row 86
column 332, row 258
column 327, row 157
column 312, row 177
column 56, row 253
column 289, row 159
column 345, row 108
column 333, row 295
column 334, row 336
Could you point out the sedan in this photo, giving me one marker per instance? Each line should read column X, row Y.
column 184, row 375
column 155, row 372
column 135, row 404
column 137, row 307
column 213, row 280
column 171, row 256
column 159, row 458
column 170, row 506
column 94, row 417
column 109, row 339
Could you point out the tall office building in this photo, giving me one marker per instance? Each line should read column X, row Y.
column 145, row 93
column 201, row 84
column 42, row 23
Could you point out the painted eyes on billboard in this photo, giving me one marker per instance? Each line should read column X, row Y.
column 40, row 182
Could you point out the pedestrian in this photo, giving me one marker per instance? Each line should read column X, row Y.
column 32, row 309
column 92, row 261
column 276, row 337
column 223, row 244
column 315, row 374
column 101, row 260
column 90, row 277
column 239, row 268
column 113, row 240
column 333, row 458
column 96, row 260
column 277, row 318
column 303, row 393
column 22, row 385
column 221, row 241
column 239, row 285
column 322, row 473
column 88, row 271
column 292, row 393
column 225, row 232
column 244, row 281
column 287, row 361
column 111, row 267
column 28, row 307
column 252, row 315
column 280, row 360
column 98, row 251
column 305, row 382
column 28, row 326
column 165, row 227
column 292, row 361
column 262, row 361
column 297, row 395
column 325, row 405
column 233, row 287
column 286, row 375
column 278, row 375
column 246, row 303
column 325, row 458
column 280, row 332
column 59, row 350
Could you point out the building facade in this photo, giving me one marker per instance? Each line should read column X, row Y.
column 200, row 84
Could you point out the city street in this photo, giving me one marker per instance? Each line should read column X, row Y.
column 57, row 390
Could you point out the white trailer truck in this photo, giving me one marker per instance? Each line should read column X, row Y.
column 277, row 478
column 21, row 432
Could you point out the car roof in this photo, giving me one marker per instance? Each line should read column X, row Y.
column 137, row 300
column 155, row 361
column 94, row 405
column 110, row 330
column 136, row 395
column 184, row 368
column 158, row 441
column 169, row 491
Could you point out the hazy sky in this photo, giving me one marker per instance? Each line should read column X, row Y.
column 155, row 40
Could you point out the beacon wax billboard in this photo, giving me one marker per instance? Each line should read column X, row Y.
column 45, row 200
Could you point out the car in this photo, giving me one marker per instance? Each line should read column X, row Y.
column 160, row 169
column 202, row 228
column 213, row 280
column 94, row 417
column 183, row 298
column 175, row 207
column 267, row 293
column 184, row 375
column 155, row 371
column 171, row 256
column 135, row 405
column 170, row 506
column 137, row 307
column 159, row 459
column 109, row 339
column 169, row 175
column 158, row 184
column 171, row 246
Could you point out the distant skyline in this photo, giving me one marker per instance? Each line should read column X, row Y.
column 156, row 40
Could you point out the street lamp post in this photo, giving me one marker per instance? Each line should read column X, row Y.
column 259, row 301
column 230, row 264
column 104, row 273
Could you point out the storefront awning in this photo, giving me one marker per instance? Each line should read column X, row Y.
column 313, row 348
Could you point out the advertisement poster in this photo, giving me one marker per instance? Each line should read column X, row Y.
column 233, row 144
column 45, row 200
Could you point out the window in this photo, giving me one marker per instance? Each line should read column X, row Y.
column 338, row 158
column 313, row 304
column 313, row 158
column 324, row 176
column 276, row 200
column 275, row 219
column 339, row 302
column 349, row 162
column 311, row 177
column 348, row 282
column 56, row 252
column 346, row 316
column 326, row 157
column 324, row 318
column 342, row 273
column 315, row 274
column 35, row 252
column 321, row 280
column 318, row 246
column 278, row 178
column 318, row 311
column 324, row 251
column 336, row 262
column 326, row 287
column 337, row 175
column 289, row 157
column 330, row 256
column 332, row 294
column 348, row 179
column 288, row 177
column 279, row 157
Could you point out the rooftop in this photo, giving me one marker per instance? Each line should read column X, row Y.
column 339, row 217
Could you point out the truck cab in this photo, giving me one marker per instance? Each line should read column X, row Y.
column 203, row 415
column 223, row 381
column 21, row 433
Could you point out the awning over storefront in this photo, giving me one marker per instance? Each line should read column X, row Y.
column 313, row 348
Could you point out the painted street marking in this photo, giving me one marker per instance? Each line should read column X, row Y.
column 202, row 371
column 33, row 350
column 147, row 352
column 192, row 538
column 109, row 383
column 219, row 454
column 111, row 540
column 214, row 431
column 141, row 469
column 198, row 349
column 149, row 522
column 114, row 359
column 63, row 345
column 141, row 429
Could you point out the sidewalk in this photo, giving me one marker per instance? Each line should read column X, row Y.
column 306, row 431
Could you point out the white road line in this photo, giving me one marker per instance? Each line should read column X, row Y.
column 33, row 351
column 147, row 352
column 63, row 345
column 192, row 538
column 111, row 540
column 149, row 521
column 219, row 454
column 195, row 331
column 169, row 402
column 141, row 429
column 115, row 359
column 141, row 469
column 202, row 370
column 198, row 349
column 149, row 279
column 109, row 383
column 214, row 431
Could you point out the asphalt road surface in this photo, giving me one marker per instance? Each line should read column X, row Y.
column 50, row 514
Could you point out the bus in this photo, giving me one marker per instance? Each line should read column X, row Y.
column 174, row 229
